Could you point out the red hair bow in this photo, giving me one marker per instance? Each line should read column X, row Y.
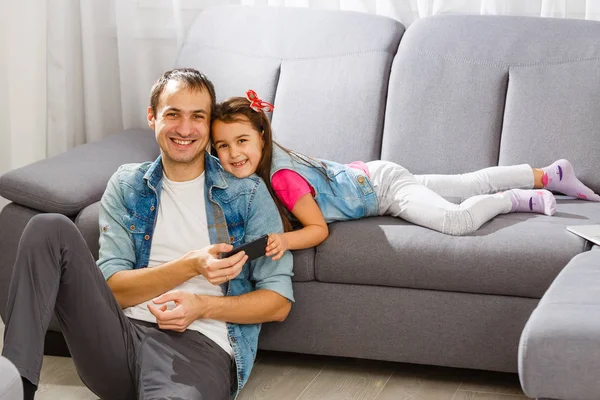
column 257, row 104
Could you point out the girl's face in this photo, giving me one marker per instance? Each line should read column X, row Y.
column 239, row 146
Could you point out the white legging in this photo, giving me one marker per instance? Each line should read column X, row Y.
column 451, row 204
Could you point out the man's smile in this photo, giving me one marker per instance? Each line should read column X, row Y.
column 183, row 143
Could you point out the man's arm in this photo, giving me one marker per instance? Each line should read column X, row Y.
column 117, row 255
column 271, row 301
column 134, row 286
column 251, row 308
column 131, row 287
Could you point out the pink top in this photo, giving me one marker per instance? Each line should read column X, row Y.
column 289, row 186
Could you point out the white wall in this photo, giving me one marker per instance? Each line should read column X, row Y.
column 5, row 157
column 25, row 56
column 23, row 80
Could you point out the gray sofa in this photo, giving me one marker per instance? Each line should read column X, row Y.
column 559, row 353
column 452, row 94
column 11, row 387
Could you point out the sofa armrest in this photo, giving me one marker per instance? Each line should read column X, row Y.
column 559, row 352
column 71, row 181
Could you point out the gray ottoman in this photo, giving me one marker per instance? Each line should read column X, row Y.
column 10, row 381
column 559, row 352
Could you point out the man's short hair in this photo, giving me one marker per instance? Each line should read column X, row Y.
column 192, row 79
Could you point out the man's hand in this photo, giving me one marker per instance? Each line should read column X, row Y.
column 187, row 310
column 277, row 245
column 206, row 262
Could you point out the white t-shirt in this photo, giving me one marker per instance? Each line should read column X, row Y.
column 181, row 226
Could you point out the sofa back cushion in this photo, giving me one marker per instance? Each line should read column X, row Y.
column 468, row 92
column 325, row 71
column 553, row 98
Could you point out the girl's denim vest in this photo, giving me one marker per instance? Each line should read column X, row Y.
column 345, row 194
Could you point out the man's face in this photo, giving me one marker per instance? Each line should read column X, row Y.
column 181, row 123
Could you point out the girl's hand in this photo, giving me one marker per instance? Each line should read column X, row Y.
column 276, row 246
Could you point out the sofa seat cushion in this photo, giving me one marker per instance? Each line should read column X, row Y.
column 559, row 351
column 87, row 222
column 513, row 254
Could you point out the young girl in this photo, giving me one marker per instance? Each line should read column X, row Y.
column 317, row 192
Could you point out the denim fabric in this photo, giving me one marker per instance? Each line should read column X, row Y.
column 344, row 194
column 237, row 210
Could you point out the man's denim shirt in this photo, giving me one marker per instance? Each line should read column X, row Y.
column 237, row 211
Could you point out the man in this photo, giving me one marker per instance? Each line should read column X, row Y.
column 170, row 321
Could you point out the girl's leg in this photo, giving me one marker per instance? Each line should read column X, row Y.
column 458, row 188
column 401, row 195
column 560, row 177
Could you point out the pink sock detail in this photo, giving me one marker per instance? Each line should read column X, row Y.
column 535, row 201
column 560, row 177
column 545, row 179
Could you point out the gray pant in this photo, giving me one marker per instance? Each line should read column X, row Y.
column 117, row 358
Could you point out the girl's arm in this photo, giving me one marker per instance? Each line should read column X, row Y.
column 314, row 229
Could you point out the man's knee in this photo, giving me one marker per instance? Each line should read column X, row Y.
column 50, row 222
column 50, row 219
column 47, row 226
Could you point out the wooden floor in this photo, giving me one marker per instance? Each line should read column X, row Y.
column 282, row 376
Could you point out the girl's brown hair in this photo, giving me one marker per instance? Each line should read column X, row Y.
column 234, row 110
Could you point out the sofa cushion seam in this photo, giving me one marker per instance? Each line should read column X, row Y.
column 546, row 303
column 496, row 63
column 346, row 54
column 19, row 193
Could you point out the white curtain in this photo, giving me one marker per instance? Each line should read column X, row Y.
column 74, row 71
